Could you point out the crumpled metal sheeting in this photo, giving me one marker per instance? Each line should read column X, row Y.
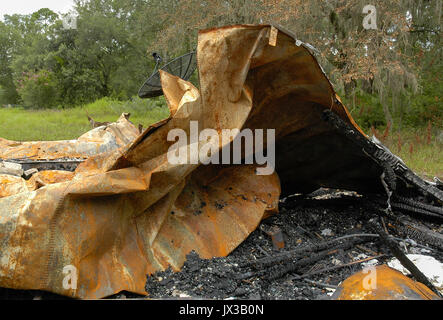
column 10, row 185
column 43, row 178
column 213, row 213
column 112, row 243
column 290, row 91
column 130, row 212
column 97, row 221
column 44, row 237
column 385, row 284
column 247, row 83
column 98, row 140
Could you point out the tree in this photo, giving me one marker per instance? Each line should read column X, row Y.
column 109, row 54
column 381, row 61
column 7, row 42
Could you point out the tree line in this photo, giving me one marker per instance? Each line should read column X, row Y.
column 395, row 67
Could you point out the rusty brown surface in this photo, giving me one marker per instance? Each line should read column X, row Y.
column 10, row 185
column 96, row 141
column 44, row 178
column 386, row 284
column 276, row 235
column 128, row 212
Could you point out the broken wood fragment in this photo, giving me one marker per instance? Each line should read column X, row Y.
column 420, row 205
column 278, row 271
column 419, row 233
column 313, row 273
column 298, row 252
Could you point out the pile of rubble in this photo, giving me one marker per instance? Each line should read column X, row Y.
column 329, row 240
column 126, row 211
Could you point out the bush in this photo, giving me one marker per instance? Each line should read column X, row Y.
column 38, row 89
column 366, row 109
column 428, row 105
column 2, row 96
column 145, row 111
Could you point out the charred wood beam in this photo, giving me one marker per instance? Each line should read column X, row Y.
column 413, row 209
column 381, row 155
column 421, row 185
column 420, row 205
column 276, row 266
column 293, row 254
column 279, row 271
column 419, row 233
column 313, row 273
column 407, row 229
column 404, row 260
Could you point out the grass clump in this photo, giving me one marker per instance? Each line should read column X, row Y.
column 420, row 148
column 21, row 124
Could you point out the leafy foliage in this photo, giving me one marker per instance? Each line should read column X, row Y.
column 390, row 74
column 38, row 89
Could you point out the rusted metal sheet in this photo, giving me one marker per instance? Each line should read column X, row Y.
column 98, row 140
column 129, row 212
column 382, row 283
column 10, row 185
column 44, row 178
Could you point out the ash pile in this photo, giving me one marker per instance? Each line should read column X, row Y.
column 309, row 249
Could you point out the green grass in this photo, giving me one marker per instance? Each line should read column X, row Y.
column 427, row 160
column 412, row 146
column 37, row 125
column 20, row 124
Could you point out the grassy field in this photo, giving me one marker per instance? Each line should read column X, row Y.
column 419, row 148
column 427, row 160
column 53, row 124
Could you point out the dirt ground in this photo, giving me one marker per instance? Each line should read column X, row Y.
column 252, row 270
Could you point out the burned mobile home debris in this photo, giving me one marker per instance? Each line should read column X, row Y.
column 117, row 210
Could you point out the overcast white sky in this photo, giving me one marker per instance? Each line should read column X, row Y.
column 30, row 6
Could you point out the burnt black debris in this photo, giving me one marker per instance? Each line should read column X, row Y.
column 397, row 178
column 311, row 264
column 40, row 165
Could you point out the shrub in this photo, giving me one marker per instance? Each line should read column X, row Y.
column 2, row 95
column 38, row 89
